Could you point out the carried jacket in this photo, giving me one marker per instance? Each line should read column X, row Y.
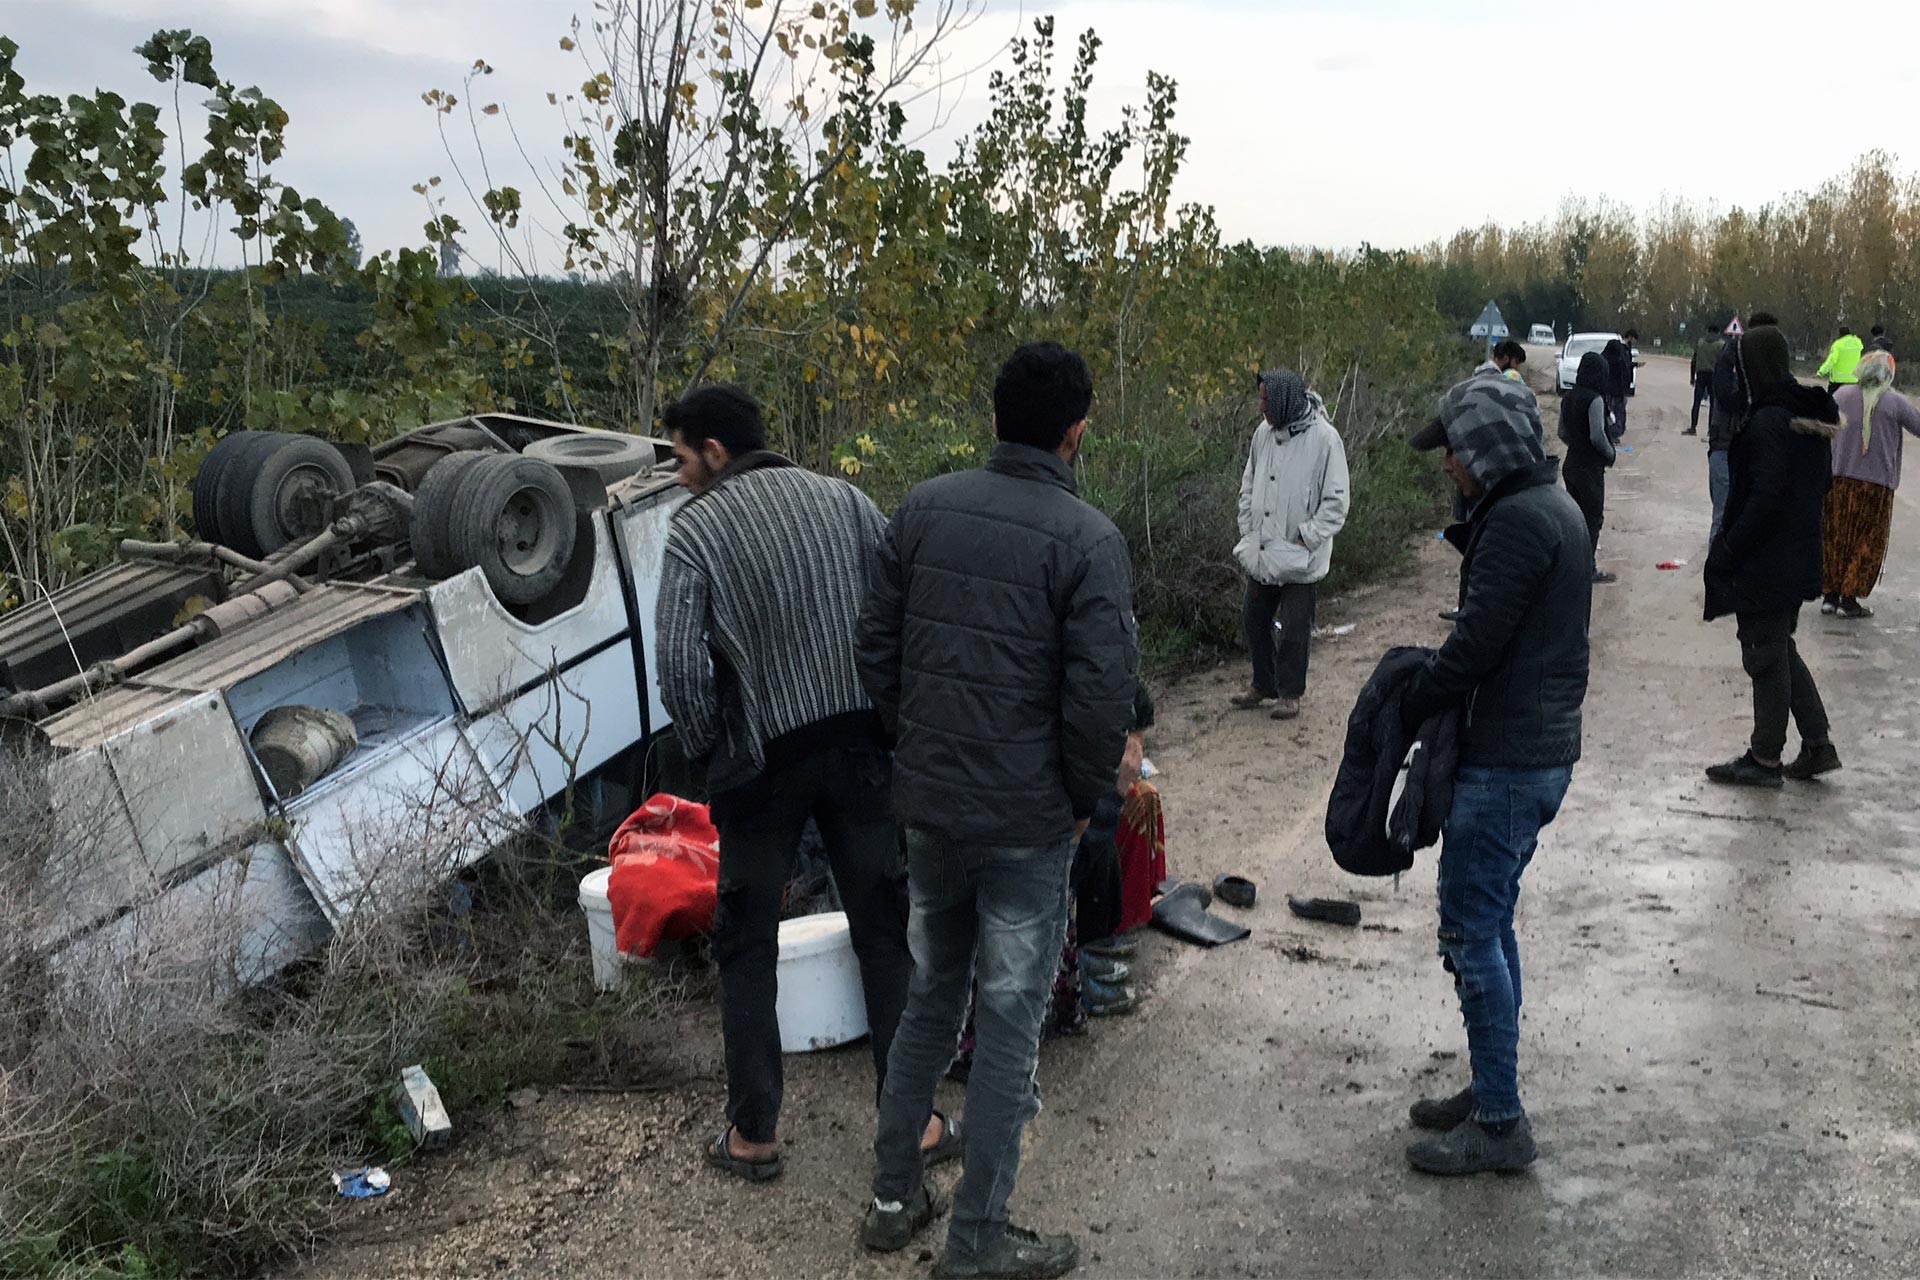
column 1395, row 784
column 1293, row 500
column 1517, row 659
column 998, row 645
column 1767, row 558
column 1843, row 357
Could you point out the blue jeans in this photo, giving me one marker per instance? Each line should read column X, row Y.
column 1717, row 482
column 1491, row 835
column 1003, row 912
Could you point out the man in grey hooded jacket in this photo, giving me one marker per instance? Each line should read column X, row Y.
column 1293, row 500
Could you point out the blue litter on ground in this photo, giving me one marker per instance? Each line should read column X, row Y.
column 364, row 1183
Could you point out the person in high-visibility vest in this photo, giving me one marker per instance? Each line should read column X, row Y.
column 1842, row 359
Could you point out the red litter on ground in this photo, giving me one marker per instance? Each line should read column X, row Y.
column 1671, row 564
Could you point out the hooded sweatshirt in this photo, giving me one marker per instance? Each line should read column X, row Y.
column 1583, row 417
column 1293, row 493
column 1767, row 558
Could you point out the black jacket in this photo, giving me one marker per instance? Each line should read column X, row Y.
column 1372, row 830
column 1729, row 406
column 1768, row 556
column 1619, row 358
column 1589, row 384
column 1517, row 658
column 998, row 645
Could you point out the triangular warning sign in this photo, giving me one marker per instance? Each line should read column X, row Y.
column 1734, row 328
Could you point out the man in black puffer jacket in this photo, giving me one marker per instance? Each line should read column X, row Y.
column 1517, row 664
column 998, row 643
column 1766, row 561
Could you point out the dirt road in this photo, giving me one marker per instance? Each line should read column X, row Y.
column 1718, row 1049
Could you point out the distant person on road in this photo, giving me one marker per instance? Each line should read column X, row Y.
column 1843, row 357
column 1293, row 500
column 1725, row 416
column 1866, row 471
column 1518, row 658
column 1877, row 340
column 1620, row 367
column 762, row 578
column 998, row 643
column 1705, row 353
column 1767, row 560
column 1590, row 450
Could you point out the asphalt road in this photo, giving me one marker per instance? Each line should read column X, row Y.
column 1718, row 1048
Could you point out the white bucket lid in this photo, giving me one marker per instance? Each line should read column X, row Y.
column 593, row 890
column 811, row 935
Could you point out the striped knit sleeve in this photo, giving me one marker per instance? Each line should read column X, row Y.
column 685, row 664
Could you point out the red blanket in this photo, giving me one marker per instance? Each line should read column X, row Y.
column 666, row 874
column 1143, row 853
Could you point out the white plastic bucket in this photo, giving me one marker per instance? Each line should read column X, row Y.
column 609, row 966
column 821, row 1003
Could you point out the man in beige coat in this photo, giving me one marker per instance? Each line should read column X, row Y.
column 1293, row 500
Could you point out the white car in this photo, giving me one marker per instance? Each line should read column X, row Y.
column 1578, row 345
column 1540, row 335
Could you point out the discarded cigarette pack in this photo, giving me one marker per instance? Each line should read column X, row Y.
column 420, row 1106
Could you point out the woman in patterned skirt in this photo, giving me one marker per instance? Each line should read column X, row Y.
column 1866, row 471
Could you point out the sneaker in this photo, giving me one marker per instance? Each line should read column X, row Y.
column 1745, row 772
column 891, row 1227
column 1814, row 760
column 1851, row 608
column 1830, row 605
column 1442, row 1114
column 1019, row 1254
column 1471, row 1147
column 1286, row 708
column 1251, row 700
column 1118, row 947
column 1601, row 578
column 1691, row 431
column 1109, row 1002
column 1104, row 970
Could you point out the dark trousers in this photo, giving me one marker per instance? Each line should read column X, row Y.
column 846, row 791
column 1782, row 685
column 1617, row 416
column 1280, row 662
column 1587, row 486
column 1702, row 391
column 1096, row 875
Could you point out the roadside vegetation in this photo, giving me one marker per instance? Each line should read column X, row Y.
column 754, row 206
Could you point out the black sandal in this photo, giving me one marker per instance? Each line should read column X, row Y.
column 719, row 1155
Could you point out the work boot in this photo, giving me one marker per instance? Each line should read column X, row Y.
column 1019, row 1254
column 1286, row 708
column 1251, row 700
column 1442, row 1114
column 1746, row 772
column 1815, row 758
column 891, row 1227
column 1472, row 1147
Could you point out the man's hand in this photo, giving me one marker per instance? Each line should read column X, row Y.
column 1130, row 761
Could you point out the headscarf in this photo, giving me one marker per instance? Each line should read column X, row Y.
column 1876, row 376
column 1287, row 403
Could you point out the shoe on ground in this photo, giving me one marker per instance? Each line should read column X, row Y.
column 1745, row 772
column 1691, row 431
column 1601, row 578
column 1442, row 1114
column 1118, row 947
column 950, row 1146
column 889, row 1228
column 1812, row 761
column 1286, row 708
column 1104, row 970
column 1449, row 615
column 1851, row 608
column 1110, row 1002
column 1830, row 605
column 1471, row 1147
column 1019, row 1254
column 1251, row 700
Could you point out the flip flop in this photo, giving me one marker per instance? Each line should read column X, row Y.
column 1235, row 891
column 1331, row 910
column 1183, row 913
column 719, row 1156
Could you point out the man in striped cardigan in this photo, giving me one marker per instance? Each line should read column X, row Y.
column 763, row 576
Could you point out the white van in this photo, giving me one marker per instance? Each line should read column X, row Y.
column 1541, row 335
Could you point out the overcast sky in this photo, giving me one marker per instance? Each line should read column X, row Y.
column 1383, row 121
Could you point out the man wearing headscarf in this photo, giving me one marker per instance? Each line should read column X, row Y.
column 1293, row 500
column 1766, row 562
column 1874, row 420
column 1518, row 657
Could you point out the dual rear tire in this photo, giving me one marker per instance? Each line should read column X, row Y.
column 257, row 491
column 508, row 515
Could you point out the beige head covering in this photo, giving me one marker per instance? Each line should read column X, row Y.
column 1876, row 375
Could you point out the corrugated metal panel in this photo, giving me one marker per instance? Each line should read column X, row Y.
column 266, row 641
column 100, row 615
column 108, row 713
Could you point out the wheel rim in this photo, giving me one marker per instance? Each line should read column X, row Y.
column 299, row 500
column 528, row 530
